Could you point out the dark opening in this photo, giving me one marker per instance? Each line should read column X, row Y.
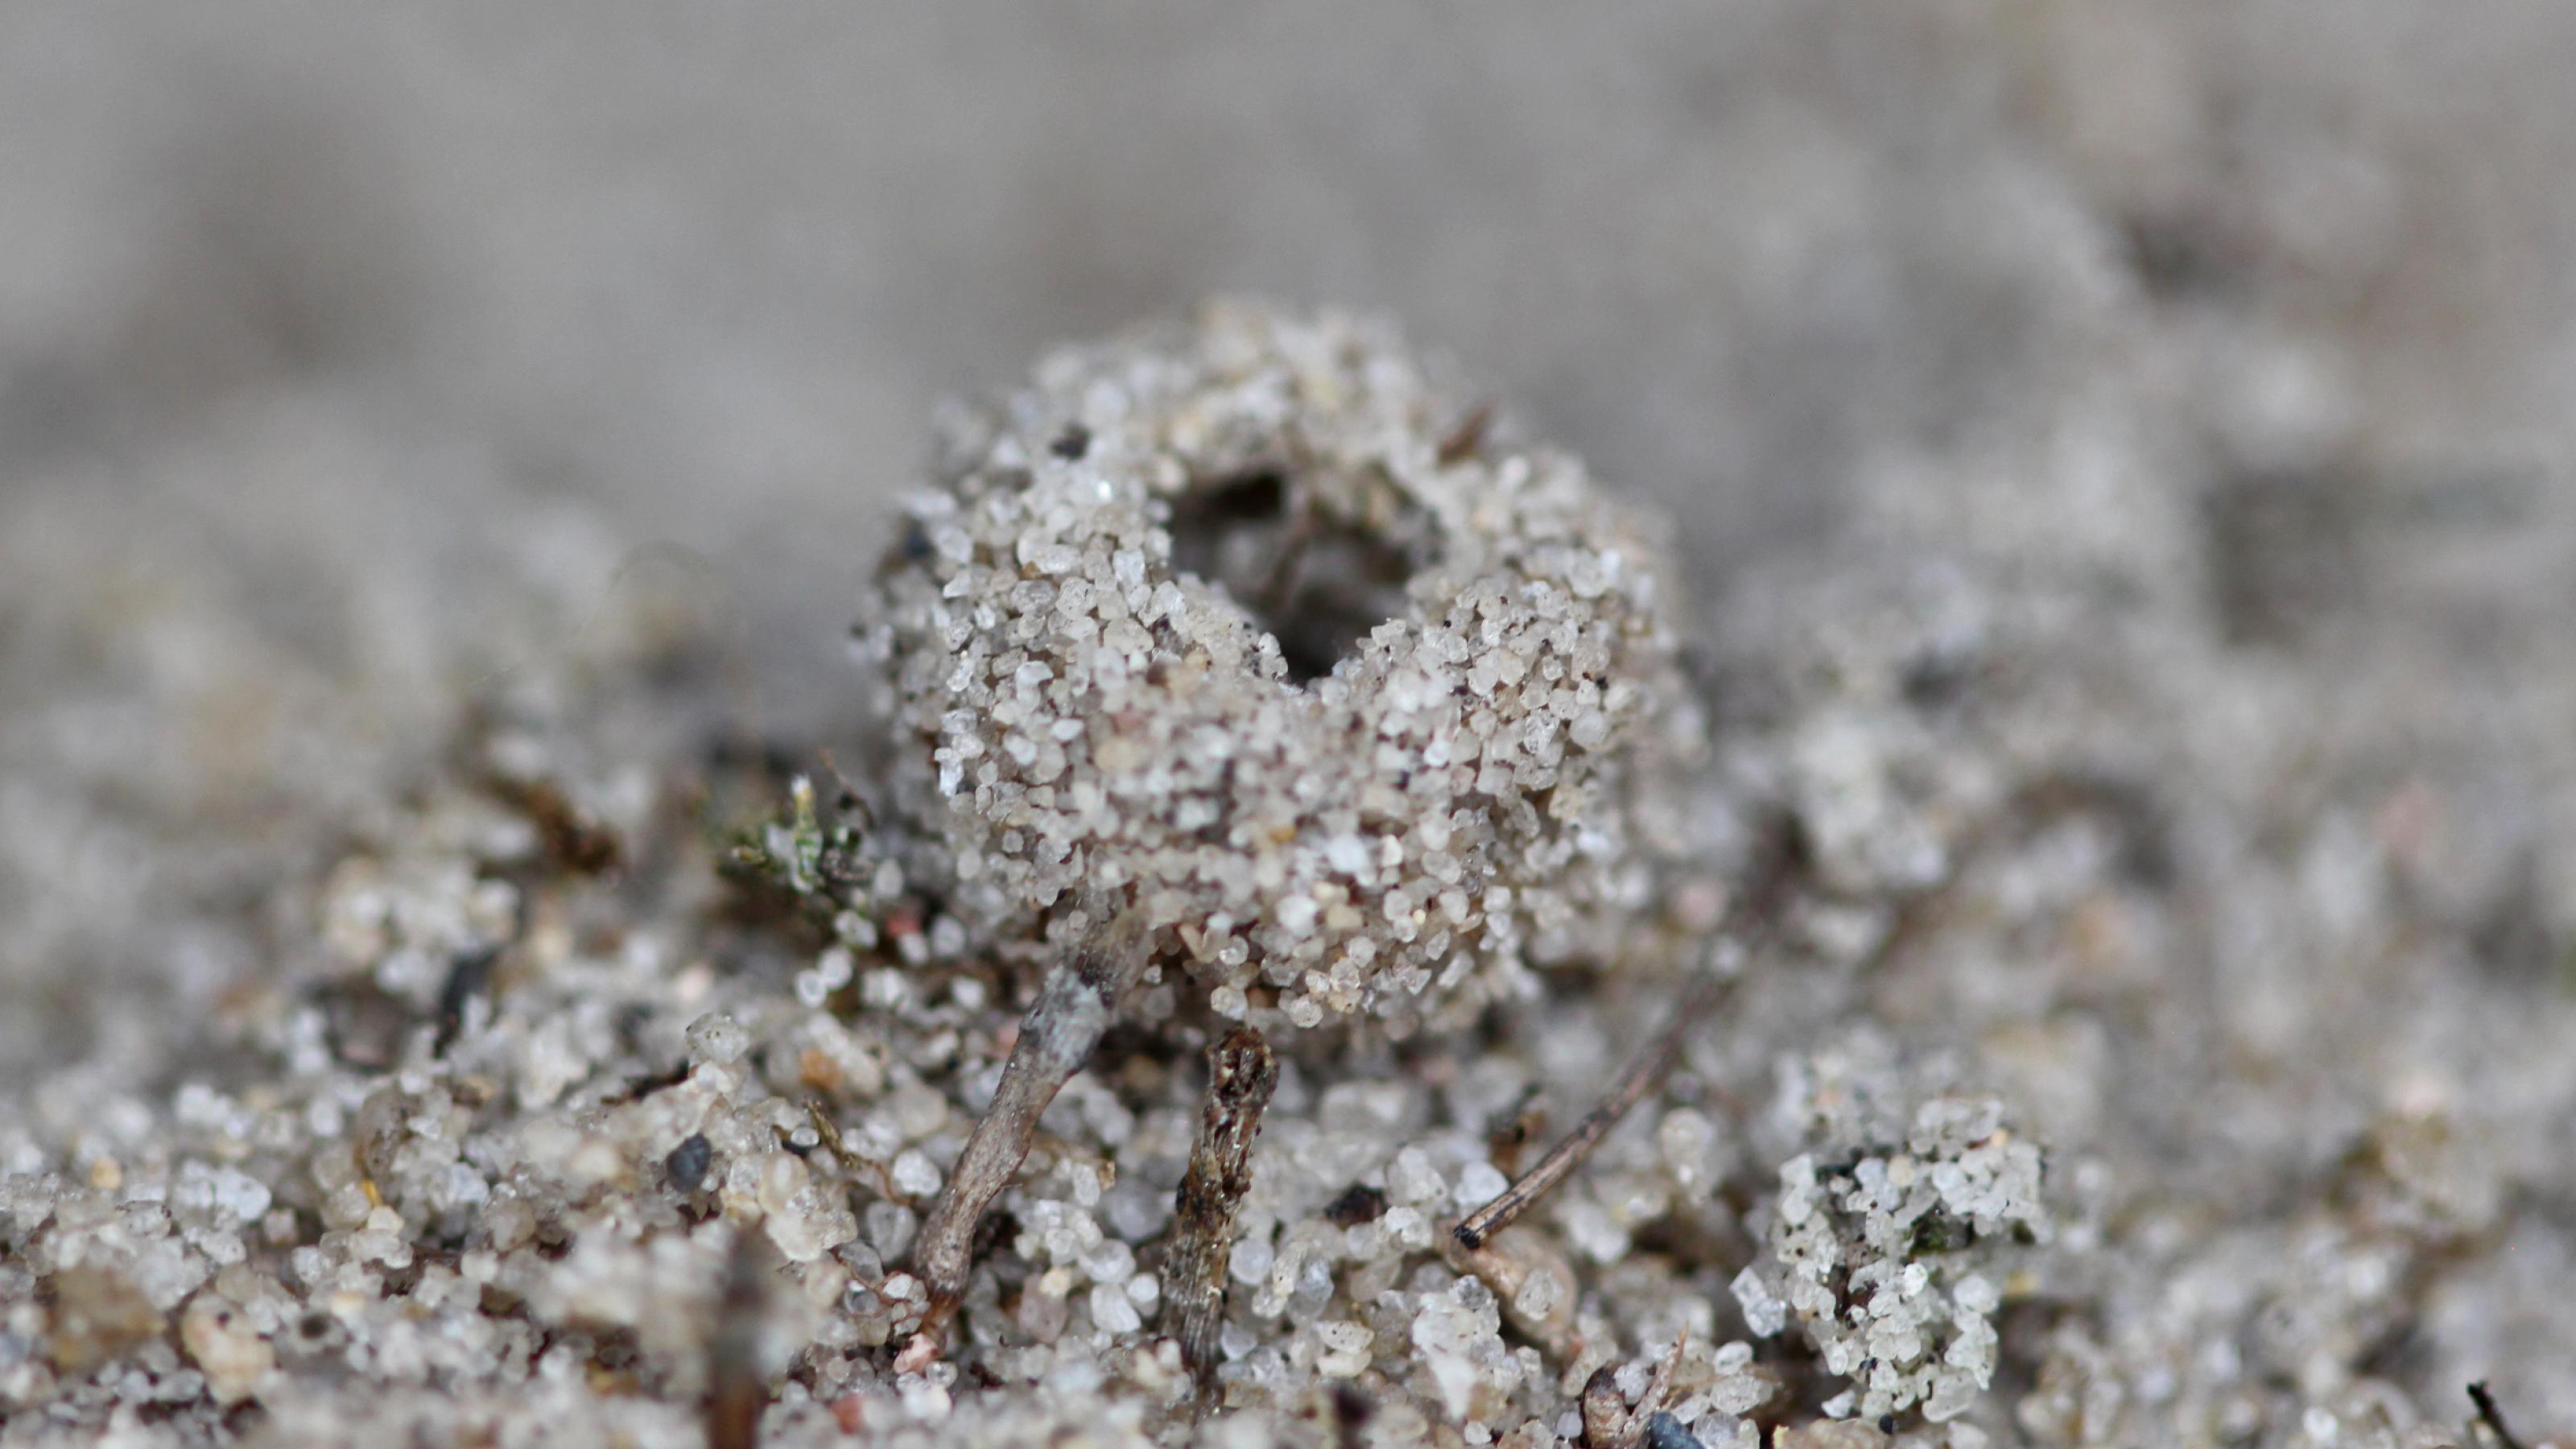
column 1315, row 583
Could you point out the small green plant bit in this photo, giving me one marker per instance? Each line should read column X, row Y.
column 799, row 855
column 1241, row 1077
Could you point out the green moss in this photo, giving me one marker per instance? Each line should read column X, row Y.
column 799, row 853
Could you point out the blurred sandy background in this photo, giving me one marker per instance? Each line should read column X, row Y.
column 350, row 356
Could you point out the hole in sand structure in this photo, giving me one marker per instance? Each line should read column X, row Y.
column 1314, row 582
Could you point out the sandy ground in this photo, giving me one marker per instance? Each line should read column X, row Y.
column 355, row 364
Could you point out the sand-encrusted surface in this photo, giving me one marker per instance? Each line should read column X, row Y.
column 2117, row 475
column 1245, row 621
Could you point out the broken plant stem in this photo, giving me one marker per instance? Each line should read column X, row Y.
column 2489, row 1417
column 737, row 1389
column 1241, row 1076
column 1748, row 922
column 1075, row 1006
column 1699, row 999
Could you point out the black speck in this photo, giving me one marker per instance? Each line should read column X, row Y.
column 1663, row 1431
column 998, row 1227
column 1939, row 1232
column 1072, row 443
column 1937, row 679
column 2287, row 548
column 1887, row 1424
column 2491, row 1416
column 1351, row 1411
column 466, row 978
column 916, row 547
column 648, row 1084
column 1361, row 1204
column 688, row 1163
column 2179, row 257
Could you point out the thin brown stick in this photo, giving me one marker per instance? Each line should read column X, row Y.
column 1464, row 439
column 737, row 1390
column 1075, row 1007
column 1241, row 1077
column 1644, row 1072
column 879, row 1175
column 1751, row 916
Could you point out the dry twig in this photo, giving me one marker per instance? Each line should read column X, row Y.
column 1241, row 1076
column 1749, row 920
column 737, row 1389
column 2490, row 1417
column 1699, row 999
column 1074, row 1008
